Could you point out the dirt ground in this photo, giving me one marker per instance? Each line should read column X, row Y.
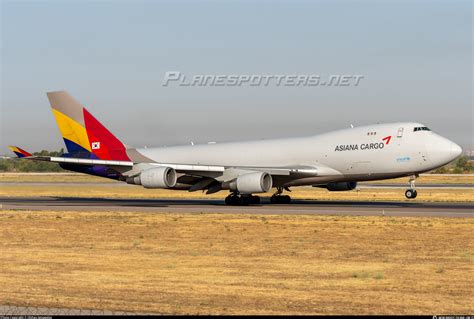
column 237, row 264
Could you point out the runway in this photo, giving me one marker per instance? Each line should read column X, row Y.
column 341, row 208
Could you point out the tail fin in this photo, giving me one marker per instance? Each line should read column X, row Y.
column 83, row 134
column 19, row 152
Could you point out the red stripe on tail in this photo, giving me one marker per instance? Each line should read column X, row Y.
column 103, row 143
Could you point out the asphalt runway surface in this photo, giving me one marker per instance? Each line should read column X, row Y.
column 313, row 207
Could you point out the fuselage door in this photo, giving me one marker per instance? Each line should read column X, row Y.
column 400, row 132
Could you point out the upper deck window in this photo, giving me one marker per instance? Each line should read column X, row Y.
column 421, row 128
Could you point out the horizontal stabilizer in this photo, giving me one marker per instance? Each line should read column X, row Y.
column 80, row 161
column 19, row 151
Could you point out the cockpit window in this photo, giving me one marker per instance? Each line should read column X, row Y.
column 421, row 128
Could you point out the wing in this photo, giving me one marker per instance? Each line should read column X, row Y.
column 192, row 177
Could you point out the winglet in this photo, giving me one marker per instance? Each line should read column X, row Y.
column 19, row 152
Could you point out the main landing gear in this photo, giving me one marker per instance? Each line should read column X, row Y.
column 243, row 200
column 237, row 199
column 411, row 192
column 278, row 198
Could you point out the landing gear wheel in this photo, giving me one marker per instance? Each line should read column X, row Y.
column 254, row 200
column 286, row 199
column 243, row 200
column 280, row 199
column 232, row 199
column 411, row 193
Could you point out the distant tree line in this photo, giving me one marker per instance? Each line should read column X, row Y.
column 14, row 164
column 462, row 165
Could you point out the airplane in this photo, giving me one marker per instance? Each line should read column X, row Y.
column 335, row 160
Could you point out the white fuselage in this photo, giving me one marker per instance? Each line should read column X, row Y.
column 362, row 153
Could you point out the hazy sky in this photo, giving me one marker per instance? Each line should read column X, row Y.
column 416, row 58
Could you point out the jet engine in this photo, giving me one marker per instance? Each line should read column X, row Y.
column 159, row 177
column 259, row 182
column 341, row 186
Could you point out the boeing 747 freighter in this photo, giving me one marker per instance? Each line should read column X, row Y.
column 335, row 160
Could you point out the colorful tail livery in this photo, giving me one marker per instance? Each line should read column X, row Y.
column 83, row 134
column 19, row 152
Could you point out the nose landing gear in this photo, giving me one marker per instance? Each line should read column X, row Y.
column 411, row 192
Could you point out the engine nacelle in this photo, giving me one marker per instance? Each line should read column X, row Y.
column 159, row 177
column 259, row 182
column 341, row 186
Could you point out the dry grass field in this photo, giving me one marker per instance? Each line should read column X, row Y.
column 237, row 264
column 77, row 186
column 132, row 191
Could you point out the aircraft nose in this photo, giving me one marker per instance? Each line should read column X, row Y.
column 442, row 151
column 456, row 150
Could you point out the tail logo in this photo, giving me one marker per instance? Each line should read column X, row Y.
column 96, row 145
